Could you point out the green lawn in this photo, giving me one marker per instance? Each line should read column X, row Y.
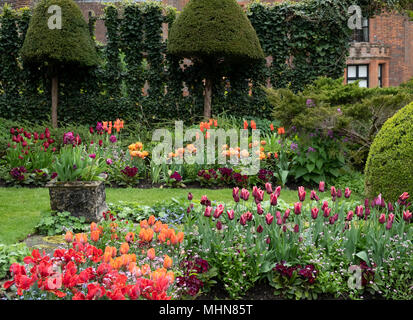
column 20, row 207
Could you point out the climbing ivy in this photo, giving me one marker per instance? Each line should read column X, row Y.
column 303, row 40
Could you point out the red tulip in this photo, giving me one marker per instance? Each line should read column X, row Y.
column 350, row 215
column 219, row 225
column 231, row 214
column 296, row 228
column 260, row 229
column 248, row 215
column 218, row 211
column 243, row 219
column 333, row 193
column 278, row 191
column 326, row 212
column 382, row 218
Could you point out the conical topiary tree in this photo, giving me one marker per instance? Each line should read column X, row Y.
column 50, row 45
column 214, row 33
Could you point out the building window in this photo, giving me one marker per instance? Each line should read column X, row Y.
column 361, row 35
column 358, row 72
column 381, row 75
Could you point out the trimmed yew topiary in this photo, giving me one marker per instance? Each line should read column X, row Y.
column 214, row 32
column 54, row 47
column 389, row 167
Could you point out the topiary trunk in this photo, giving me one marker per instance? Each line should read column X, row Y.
column 208, row 98
column 55, row 92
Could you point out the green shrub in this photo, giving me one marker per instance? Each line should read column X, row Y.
column 389, row 164
column 53, row 223
column 10, row 254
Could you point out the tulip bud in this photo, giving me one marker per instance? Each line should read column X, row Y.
column 268, row 241
column 339, row 193
column 297, row 208
column 278, row 191
column 273, row 199
column 296, row 228
column 326, row 212
column 235, row 194
column 243, row 219
column 190, row 196
column 268, row 187
column 286, row 214
column 347, row 193
column 260, row 210
column 219, row 225
column 390, row 207
column 207, row 212
column 260, row 229
column 301, row 194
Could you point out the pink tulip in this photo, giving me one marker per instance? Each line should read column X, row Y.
column 382, row 218
column 268, row 187
column 359, row 211
column 407, row 215
column 301, row 193
column 321, row 186
column 260, row 210
column 218, row 211
column 231, row 214
column 278, row 191
column 347, row 193
column 245, row 194
column 269, row 218
column 314, row 213
column 207, row 212
column 350, row 215
column 273, row 199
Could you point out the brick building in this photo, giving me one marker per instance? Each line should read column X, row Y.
column 381, row 54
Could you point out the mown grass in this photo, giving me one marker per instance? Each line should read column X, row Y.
column 20, row 207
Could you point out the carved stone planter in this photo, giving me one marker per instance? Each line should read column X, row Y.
column 80, row 198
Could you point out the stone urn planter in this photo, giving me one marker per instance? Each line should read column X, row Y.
column 81, row 198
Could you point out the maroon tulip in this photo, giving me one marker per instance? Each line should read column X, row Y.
column 259, row 196
column 273, row 199
column 333, row 193
column 339, row 193
column 260, row 229
column 269, row 218
column 231, row 214
column 47, row 133
column 248, row 215
column 347, row 193
column 350, row 215
column 219, row 225
column 326, row 212
column 268, row 187
column 325, row 205
column 91, row 130
column 390, row 207
column 297, row 207
column 296, row 228
column 12, row 131
column 279, row 221
column 314, row 213
column 268, row 241
column 382, row 218
column 389, row 224
column 190, row 196
column 243, row 219
column 284, row 228
column 321, row 186
column 301, row 194
column 100, row 143
column 359, row 211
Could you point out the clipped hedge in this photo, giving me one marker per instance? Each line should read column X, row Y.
column 390, row 162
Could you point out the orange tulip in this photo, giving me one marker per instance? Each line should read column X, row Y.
column 105, row 125
column 151, row 253
column 69, row 237
column 215, row 123
column 157, row 227
column 114, row 236
column 180, row 236
column 80, row 238
column 272, row 127
column 144, row 224
column 281, row 130
column 94, row 235
column 151, row 220
column 93, row 226
column 145, row 269
column 117, row 125
column 263, row 142
column 124, row 248
column 167, row 262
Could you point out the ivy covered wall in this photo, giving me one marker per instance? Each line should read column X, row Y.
column 303, row 40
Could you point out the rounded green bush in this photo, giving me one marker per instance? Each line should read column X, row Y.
column 211, row 28
column 72, row 44
column 389, row 167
